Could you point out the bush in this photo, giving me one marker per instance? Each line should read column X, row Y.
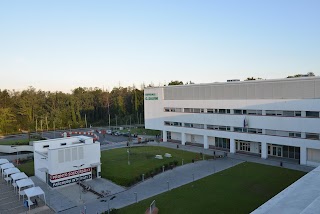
column 175, row 163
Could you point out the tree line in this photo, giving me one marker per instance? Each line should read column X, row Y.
column 31, row 109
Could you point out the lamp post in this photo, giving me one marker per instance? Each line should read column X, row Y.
column 108, row 200
column 78, row 167
column 47, row 180
column 17, row 162
column 128, row 151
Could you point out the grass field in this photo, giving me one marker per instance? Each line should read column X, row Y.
column 240, row 189
column 115, row 162
column 27, row 167
column 15, row 142
column 141, row 131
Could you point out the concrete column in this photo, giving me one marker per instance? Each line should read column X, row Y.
column 232, row 146
column 303, row 135
column 263, row 112
column 164, row 136
column 99, row 170
column 205, row 142
column 303, row 155
column 231, row 111
column 264, row 150
column 263, row 131
column 231, row 129
column 183, row 138
column 303, row 114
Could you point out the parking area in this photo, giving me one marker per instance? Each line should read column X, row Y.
column 10, row 203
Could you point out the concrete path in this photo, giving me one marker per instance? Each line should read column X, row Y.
column 286, row 163
column 161, row 183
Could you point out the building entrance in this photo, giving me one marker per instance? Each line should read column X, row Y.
column 94, row 172
column 274, row 150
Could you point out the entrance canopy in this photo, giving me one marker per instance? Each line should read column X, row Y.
column 18, row 176
column 6, row 166
column 24, row 183
column 10, row 171
column 34, row 191
column 3, row 161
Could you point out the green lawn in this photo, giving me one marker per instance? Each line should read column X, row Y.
column 240, row 189
column 27, row 167
column 15, row 142
column 141, row 131
column 115, row 162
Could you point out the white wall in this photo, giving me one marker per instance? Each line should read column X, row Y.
column 73, row 154
column 155, row 117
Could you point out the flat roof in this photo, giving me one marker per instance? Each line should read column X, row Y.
column 303, row 196
column 241, row 82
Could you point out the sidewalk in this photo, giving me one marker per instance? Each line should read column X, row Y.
column 158, row 184
column 243, row 157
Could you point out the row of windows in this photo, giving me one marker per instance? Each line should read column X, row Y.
column 312, row 136
column 311, row 114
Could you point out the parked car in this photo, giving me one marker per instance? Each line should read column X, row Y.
column 126, row 134
column 109, row 131
column 117, row 133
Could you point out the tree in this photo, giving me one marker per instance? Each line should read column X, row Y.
column 253, row 78
column 309, row 74
column 176, row 82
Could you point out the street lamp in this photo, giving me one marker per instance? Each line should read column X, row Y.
column 78, row 167
column 108, row 200
column 128, row 151
column 45, row 170
column 17, row 162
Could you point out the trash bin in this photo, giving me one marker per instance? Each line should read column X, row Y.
column 192, row 160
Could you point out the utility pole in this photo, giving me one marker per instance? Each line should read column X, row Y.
column 47, row 123
column 36, row 125
column 41, row 128
column 116, row 122
column 54, row 129
column 85, row 119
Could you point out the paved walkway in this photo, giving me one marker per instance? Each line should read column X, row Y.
column 160, row 183
column 286, row 163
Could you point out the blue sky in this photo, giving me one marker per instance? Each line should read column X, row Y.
column 60, row 45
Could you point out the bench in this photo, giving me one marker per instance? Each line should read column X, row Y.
column 167, row 155
column 158, row 157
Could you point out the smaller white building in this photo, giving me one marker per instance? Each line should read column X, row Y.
column 62, row 161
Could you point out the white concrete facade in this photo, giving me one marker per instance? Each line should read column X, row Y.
column 277, row 118
column 59, row 162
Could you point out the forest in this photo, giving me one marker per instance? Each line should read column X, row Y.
column 33, row 110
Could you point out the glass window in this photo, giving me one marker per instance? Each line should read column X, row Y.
column 210, row 110
column 312, row 136
column 237, row 111
column 222, row 111
column 312, row 114
column 288, row 113
column 187, row 110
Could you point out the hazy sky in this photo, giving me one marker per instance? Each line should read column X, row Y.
column 60, row 45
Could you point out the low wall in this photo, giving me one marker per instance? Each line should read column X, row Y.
column 9, row 149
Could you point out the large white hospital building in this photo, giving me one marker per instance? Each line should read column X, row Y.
column 278, row 118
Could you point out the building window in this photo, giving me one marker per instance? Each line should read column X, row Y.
column 46, row 146
column 312, row 136
column 63, row 144
column 166, row 109
column 188, row 110
column 237, row 111
column 312, row 114
column 210, row 111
